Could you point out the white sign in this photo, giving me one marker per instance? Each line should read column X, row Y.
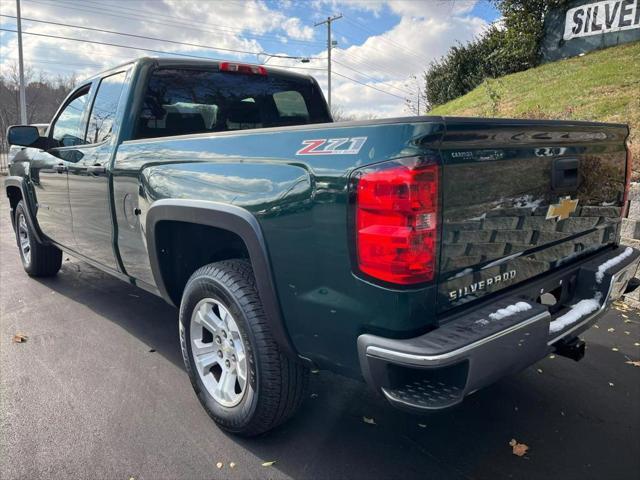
column 602, row 17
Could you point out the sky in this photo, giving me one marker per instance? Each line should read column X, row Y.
column 383, row 46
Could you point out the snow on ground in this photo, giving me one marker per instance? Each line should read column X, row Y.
column 612, row 262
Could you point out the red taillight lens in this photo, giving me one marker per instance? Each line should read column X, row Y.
column 242, row 68
column 627, row 184
column 397, row 223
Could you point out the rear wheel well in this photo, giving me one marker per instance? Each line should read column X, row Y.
column 185, row 247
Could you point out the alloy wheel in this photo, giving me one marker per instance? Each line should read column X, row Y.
column 218, row 351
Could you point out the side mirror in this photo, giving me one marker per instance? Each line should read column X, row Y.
column 23, row 135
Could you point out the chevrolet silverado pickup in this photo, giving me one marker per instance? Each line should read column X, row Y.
column 428, row 256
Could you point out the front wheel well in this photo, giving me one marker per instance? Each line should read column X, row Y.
column 15, row 195
column 185, row 247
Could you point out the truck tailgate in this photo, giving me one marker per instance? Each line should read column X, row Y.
column 521, row 198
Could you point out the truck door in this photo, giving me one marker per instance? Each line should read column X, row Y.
column 49, row 169
column 89, row 178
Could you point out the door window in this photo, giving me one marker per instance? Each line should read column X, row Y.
column 68, row 129
column 105, row 106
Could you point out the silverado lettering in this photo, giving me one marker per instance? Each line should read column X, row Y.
column 482, row 284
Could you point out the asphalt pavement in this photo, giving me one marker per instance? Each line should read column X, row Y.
column 98, row 391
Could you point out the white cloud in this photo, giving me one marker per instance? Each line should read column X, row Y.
column 423, row 32
column 295, row 29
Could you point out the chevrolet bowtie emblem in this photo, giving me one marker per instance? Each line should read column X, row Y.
column 562, row 209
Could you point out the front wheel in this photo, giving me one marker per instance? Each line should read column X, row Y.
column 236, row 368
column 38, row 260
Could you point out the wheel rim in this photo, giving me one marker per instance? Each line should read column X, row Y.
column 24, row 239
column 218, row 352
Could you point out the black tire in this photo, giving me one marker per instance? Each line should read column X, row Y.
column 276, row 384
column 39, row 260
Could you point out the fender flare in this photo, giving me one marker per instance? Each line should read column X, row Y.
column 15, row 181
column 236, row 220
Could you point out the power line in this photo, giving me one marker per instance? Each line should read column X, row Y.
column 173, row 24
column 162, row 52
column 405, row 50
column 113, row 32
column 185, row 55
column 54, row 62
column 359, row 61
column 367, row 85
column 406, row 92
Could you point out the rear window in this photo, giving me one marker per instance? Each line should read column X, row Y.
column 184, row 101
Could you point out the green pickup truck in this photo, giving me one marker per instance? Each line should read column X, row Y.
column 428, row 256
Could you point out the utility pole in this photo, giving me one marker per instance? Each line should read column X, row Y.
column 23, row 98
column 328, row 21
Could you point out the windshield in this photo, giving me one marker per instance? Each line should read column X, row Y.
column 180, row 101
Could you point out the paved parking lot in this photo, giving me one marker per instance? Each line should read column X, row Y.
column 99, row 391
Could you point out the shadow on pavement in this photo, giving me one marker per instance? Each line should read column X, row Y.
column 574, row 429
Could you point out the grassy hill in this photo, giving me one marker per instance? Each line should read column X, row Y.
column 599, row 86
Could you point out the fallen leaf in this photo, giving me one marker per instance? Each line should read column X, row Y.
column 368, row 420
column 315, row 370
column 552, row 357
column 268, row 464
column 626, row 332
column 624, row 316
column 611, row 329
column 232, row 465
column 539, row 370
column 627, row 321
column 518, row 449
column 596, row 326
column 636, row 344
column 422, row 425
column 635, row 363
column 219, row 465
column 615, row 349
column 20, row 338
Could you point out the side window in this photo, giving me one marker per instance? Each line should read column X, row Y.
column 291, row 104
column 69, row 127
column 104, row 107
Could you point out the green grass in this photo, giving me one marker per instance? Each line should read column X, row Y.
column 600, row 86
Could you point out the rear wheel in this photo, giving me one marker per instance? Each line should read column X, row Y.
column 38, row 260
column 236, row 368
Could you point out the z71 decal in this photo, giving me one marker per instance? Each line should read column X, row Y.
column 332, row 146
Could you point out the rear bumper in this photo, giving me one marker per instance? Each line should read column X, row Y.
column 479, row 346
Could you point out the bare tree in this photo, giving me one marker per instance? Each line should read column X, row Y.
column 339, row 115
column 44, row 96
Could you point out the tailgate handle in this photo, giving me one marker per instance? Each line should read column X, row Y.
column 565, row 175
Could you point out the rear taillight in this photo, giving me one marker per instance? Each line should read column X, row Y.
column 242, row 68
column 396, row 223
column 627, row 184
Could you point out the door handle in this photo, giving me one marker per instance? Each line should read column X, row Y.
column 61, row 168
column 96, row 169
